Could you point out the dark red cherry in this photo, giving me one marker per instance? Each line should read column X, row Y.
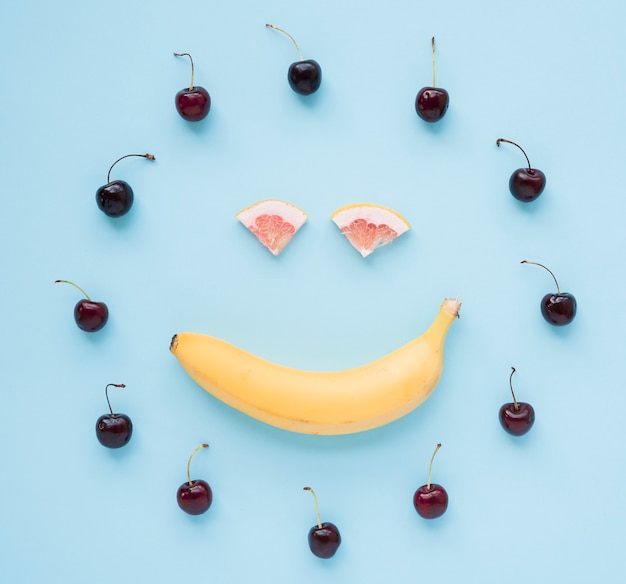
column 194, row 496
column 304, row 76
column 113, row 430
column 116, row 197
column 525, row 184
column 558, row 309
column 431, row 103
column 431, row 500
column 90, row 316
column 324, row 538
column 516, row 417
column 193, row 103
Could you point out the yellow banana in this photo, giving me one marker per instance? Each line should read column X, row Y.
column 319, row 402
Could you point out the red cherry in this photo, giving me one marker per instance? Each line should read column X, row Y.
column 116, row 197
column 558, row 309
column 304, row 76
column 431, row 500
column 90, row 316
column 113, row 430
column 324, row 538
column 525, row 184
column 194, row 497
column 431, row 103
column 194, row 102
column 516, row 418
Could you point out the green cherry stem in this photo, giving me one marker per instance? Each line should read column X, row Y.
column 192, row 70
column 292, row 39
column 199, row 447
column 148, row 156
column 75, row 286
column 106, row 393
column 558, row 291
column 317, row 506
column 430, row 468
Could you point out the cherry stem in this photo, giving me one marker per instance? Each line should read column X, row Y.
column 106, row 393
column 514, row 144
column 515, row 405
column 558, row 291
column 317, row 506
column 192, row 71
column 148, row 156
column 432, row 43
column 292, row 39
column 430, row 468
column 75, row 286
column 199, row 447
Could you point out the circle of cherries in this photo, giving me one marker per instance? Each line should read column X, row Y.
column 116, row 198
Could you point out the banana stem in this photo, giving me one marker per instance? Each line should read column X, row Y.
column 448, row 312
column 317, row 506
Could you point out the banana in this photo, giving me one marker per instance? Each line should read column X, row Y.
column 319, row 402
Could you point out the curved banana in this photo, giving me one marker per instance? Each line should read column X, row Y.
column 316, row 402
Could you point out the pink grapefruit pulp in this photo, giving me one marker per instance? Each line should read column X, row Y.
column 273, row 222
column 368, row 226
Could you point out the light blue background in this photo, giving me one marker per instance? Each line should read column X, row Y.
column 83, row 83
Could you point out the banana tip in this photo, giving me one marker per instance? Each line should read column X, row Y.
column 173, row 343
column 451, row 306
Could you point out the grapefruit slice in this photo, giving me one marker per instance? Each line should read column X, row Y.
column 368, row 226
column 273, row 222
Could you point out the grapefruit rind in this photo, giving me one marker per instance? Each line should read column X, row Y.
column 368, row 226
column 273, row 222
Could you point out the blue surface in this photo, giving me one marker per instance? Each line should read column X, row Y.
column 85, row 83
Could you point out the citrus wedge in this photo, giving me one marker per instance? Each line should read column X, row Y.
column 368, row 226
column 273, row 222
